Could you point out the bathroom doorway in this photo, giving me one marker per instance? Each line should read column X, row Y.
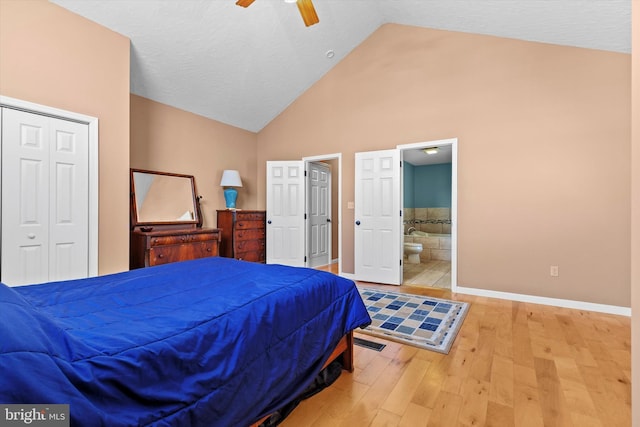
column 429, row 220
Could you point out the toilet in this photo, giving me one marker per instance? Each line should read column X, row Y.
column 412, row 251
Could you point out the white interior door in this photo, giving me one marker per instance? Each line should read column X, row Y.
column 285, row 213
column 69, row 200
column 378, row 240
column 25, row 197
column 45, row 205
column 319, row 214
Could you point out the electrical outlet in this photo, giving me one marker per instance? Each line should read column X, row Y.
column 553, row 271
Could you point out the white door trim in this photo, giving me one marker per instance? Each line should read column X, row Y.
column 92, row 122
column 333, row 156
column 453, row 142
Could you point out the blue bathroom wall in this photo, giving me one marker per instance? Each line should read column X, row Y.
column 408, row 172
column 428, row 186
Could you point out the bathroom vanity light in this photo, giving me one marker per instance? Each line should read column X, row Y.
column 431, row 150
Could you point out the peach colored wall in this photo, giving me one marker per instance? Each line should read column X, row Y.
column 544, row 149
column 635, row 216
column 53, row 57
column 167, row 139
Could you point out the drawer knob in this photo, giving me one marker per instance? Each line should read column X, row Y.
column 208, row 249
column 161, row 256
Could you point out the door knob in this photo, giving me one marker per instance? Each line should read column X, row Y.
column 328, row 219
column 358, row 222
column 269, row 222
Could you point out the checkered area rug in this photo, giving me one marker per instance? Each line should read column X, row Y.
column 424, row 322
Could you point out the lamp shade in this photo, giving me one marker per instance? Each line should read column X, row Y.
column 230, row 178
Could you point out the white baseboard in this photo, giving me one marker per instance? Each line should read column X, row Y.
column 557, row 302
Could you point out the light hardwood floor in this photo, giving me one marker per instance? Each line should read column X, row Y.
column 512, row 364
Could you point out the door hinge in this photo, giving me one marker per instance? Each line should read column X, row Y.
column 400, row 262
column 305, row 216
column 401, row 212
column 305, row 258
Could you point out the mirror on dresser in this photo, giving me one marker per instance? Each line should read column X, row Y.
column 162, row 198
column 166, row 222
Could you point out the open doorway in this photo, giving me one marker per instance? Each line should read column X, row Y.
column 429, row 221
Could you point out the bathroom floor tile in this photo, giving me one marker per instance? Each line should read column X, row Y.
column 431, row 273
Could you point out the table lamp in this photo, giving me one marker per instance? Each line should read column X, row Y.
column 230, row 179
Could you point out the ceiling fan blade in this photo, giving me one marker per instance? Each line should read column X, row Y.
column 307, row 11
column 244, row 3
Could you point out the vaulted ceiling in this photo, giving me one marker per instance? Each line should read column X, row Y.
column 244, row 66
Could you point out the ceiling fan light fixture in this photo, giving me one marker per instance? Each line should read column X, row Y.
column 308, row 12
column 430, row 151
column 244, row 3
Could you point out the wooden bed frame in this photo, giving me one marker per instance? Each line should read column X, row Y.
column 343, row 350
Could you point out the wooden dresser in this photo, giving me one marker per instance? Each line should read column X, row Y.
column 243, row 234
column 162, row 246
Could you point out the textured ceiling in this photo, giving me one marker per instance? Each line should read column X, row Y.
column 243, row 66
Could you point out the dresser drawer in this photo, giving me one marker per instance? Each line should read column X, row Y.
column 249, row 234
column 250, row 245
column 174, row 253
column 149, row 248
column 246, row 225
column 181, row 238
column 253, row 256
column 250, row 216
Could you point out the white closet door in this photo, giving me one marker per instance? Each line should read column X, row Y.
column 44, row 198
column 25, row 197
column 69, row 200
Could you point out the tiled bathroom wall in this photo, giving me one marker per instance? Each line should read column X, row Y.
column 435, row 221
column 429, row 220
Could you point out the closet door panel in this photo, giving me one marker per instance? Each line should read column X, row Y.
column 25, row 197
column 45, row 230
column 69, row 192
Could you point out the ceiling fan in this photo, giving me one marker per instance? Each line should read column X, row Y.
column 305, row 7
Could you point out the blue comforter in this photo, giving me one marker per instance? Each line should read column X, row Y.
column 209, row 342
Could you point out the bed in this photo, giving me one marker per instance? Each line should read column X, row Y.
column 207, row 342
